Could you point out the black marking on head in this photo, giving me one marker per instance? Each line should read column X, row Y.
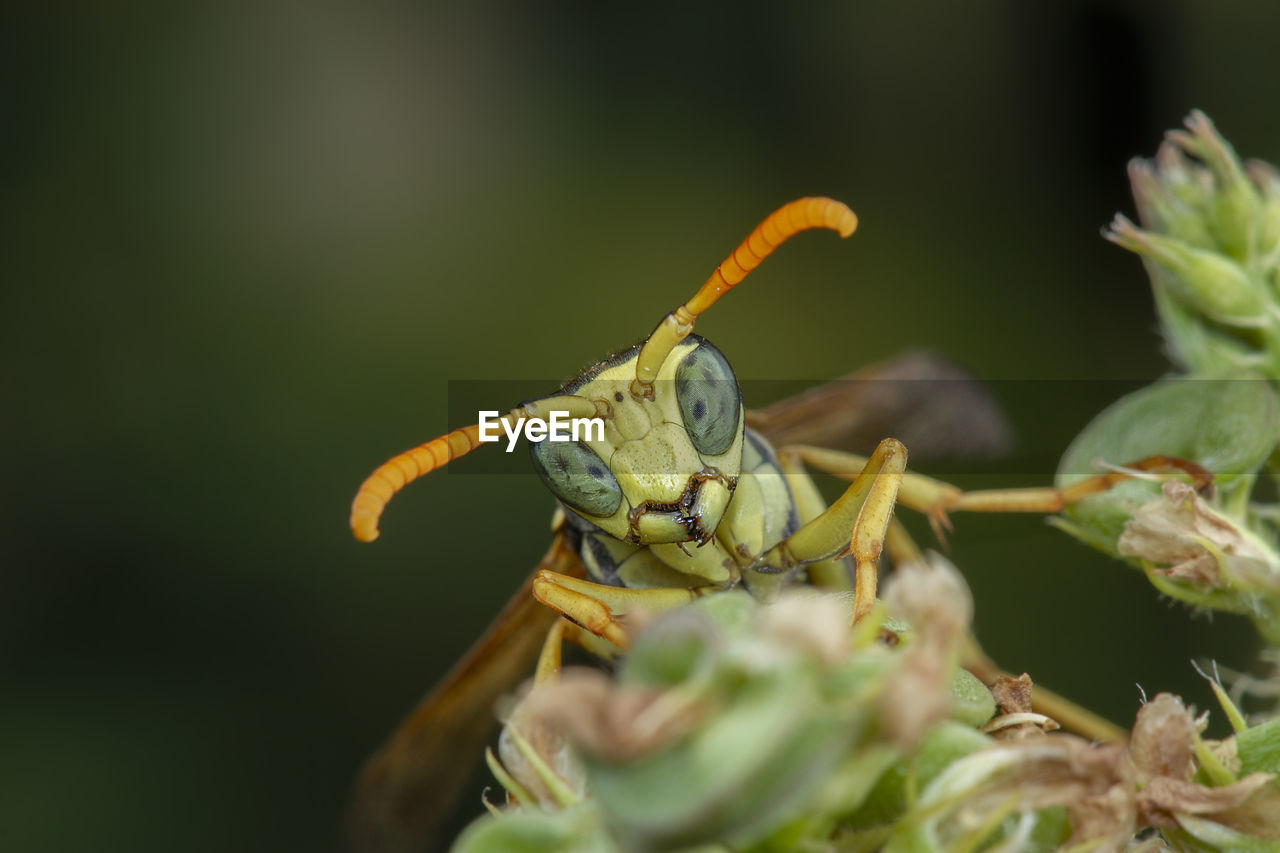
column 593, row 370
column 681, row 509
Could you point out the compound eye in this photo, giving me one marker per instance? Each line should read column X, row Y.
column 710, row 400
column 577, row 476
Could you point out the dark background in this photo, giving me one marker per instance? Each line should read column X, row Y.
column 245, row 248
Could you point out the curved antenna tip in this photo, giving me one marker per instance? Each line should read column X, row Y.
column 364, row 524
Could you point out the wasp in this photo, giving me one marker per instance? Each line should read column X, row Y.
column 683, row 495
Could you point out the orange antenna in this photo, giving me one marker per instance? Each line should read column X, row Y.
column 790, row 219
column 401, row 470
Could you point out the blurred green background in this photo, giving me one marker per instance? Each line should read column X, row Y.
column 246, row 246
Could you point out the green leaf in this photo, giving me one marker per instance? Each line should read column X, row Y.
column 683, row 648
column 1224, row 838
column 887, row 801
column 743, row 774
column 1229, row 425
column 971, row 701
column 1259, row 748
column 573, row 830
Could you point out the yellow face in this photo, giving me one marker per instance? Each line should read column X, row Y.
column 667, row 467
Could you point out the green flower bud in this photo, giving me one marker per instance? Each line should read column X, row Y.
column 744, row 771
column 1211, row 244
column 1213, row 283
column 574, row 829
column 1192, row 343
column 1160, row 208
column 726, row 721
column 1189, row 183
column 1267, row 179
column 1235, row 204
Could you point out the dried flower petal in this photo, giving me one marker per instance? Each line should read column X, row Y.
column 1012, row 695
column 815, row 625
column 933, row 598
column 935, row 601
column 1163, row 799
column 612, row 722
column 548, row 743
column 1173, row 531
column 1163, row 737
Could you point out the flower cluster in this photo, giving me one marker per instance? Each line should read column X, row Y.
column 1211, row 243
column 735, row 725
column 1211, row 237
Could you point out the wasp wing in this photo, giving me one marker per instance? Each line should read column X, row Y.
column 407, row 791
column 933, row 406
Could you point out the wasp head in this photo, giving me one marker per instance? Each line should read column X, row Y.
column 665, row 467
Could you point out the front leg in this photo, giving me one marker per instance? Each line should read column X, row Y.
column 597, row 607
column 856, row 522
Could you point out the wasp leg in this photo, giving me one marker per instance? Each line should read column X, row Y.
column 594, row 606
column 834, row 574
column 825, row 574
column 548, row 668
column 1055, row 500
column 857, row 521
column 596, row 646
column 936, row 499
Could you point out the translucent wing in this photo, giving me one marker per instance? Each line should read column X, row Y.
column 409, row 788
column 933, row 406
